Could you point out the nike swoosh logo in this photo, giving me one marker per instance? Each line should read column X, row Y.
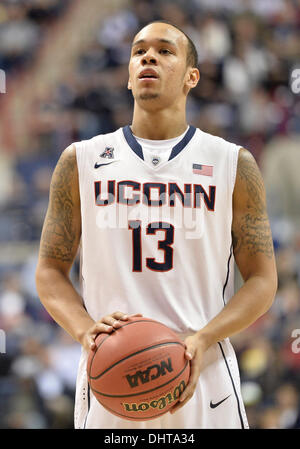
column 218, row 403
column 100, row 165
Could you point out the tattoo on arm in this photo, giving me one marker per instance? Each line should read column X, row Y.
column 59, row 236
column 253, row 231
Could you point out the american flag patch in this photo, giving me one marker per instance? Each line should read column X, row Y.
column 205, row 170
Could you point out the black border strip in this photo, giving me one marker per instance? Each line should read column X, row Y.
column 234, row 389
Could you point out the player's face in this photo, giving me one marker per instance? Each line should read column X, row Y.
column 157, row 67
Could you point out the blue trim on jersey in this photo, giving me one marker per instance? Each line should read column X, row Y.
column 88, row 406
column 227, row 275
column 132, row 142
column 137, row 148
column 183, row 143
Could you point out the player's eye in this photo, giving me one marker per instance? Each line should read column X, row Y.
column 139, row 51
column 165, row 51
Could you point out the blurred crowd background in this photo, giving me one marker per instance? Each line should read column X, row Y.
column 66, row 76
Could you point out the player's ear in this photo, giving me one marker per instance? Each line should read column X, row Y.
column 193, row 76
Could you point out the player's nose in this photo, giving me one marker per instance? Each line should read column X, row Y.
column 149, row 58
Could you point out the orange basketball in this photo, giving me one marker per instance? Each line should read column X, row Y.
column 138, row 371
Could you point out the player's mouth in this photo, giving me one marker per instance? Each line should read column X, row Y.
column 148, row 75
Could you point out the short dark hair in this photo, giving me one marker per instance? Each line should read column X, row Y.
column 192, row 54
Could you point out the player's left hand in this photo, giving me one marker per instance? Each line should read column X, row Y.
column 194, row 352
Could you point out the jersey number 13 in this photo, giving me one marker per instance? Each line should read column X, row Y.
column 164, row 245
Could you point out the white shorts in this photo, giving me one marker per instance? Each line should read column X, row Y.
column 216, row 403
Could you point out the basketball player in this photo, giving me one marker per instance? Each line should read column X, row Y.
column 162, row 209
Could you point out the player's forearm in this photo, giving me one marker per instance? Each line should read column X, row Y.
column 250, row 302
column 62, row 301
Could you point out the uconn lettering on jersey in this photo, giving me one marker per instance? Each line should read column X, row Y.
column 154, row 194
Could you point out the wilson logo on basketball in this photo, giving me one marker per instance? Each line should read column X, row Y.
column 151, row 373
column 159, row 403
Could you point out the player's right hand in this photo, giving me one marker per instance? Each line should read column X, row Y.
column 105, row 325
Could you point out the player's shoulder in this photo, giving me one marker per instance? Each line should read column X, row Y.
column 98, row 139
column 218, row 142
column 68, row 155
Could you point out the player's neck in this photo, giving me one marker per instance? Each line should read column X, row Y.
column 158, row 125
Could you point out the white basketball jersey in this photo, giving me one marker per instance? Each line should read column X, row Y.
column 156, row 235
column 156, row 240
